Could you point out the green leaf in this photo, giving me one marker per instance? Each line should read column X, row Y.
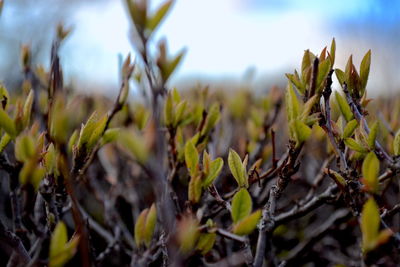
column 308, row 107
column 168, row 111
column 206, row 242
column 110, row 136
column 354, row 145
column 237, row 169
column 364, row 70
column 150, row 225
column 305, row 65
column 24, row 147
column 337, row 178
column 135, row 144
column 188, row 234
column 191, row 158
column 73, row 140
column 396, row 143
column 58, row 239
column 61, row 251
column 241, row 205
column 7, row 123
column 195, row 189
column 341, row 76
column 296, row 82
column 97, row 132
column 323, row 71
column 171, row 65
column 50, row 160
column 292, row 103
column 215, row 169
column 301, row 131
column 179, row 113
column 212, row 119
column 370, row 172
column 247, row 225
column 344, row 107
column 27, row 108
column 351, row 126
column 155, row 20
column 370, row 222
column 333, row 51
column 5, row 140
column 372, row 135
column 140, row 227
column 87, row 130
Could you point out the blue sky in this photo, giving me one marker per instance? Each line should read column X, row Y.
column 225, row 38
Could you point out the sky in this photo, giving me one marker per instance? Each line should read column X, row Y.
column 225, row 39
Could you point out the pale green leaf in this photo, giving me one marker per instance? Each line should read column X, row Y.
column 150, row 225
column 247, row 225
column 215, row 169
column 7, row 123
column 236, row 167
column 344, row 107
column 351, row 126
column 354, row 145
column 206, row 242
column 241, row 205
column 372, row 135
column 191, row 158
column 370, row 222
column 370, row 172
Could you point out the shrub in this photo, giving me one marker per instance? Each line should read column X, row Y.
column 199, row 177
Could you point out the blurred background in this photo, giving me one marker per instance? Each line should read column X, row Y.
column 229, row 41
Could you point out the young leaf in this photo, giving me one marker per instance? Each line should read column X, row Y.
column 206, row 242
column 168, row 111
column 24, row 147
column 302, row 131
column 354, row 145
column 195, row 189
column 364, row 70
column 241, row 205
column 370, row 172
column 370, row 221
column 247, row 225
column 155, row 20
column 341, row 76
column 191, row 158
column 140, row 227
column 323, row 71
column 87, row 130
column 215, row 169
column 344, row 107
column 28, row 108
column 188, row 233
column 296, row 82
column 5, row 140
column 333, row 51
column 212, row 119
column 150, row 225
column 58, row 239
column 97, row 132
column 135, row 144
column 61, row 251
column 350, row 128
column 292, row 103
column 7, row 123
column 110, row 136
column 237, row 169
column 372, row 135
column 396, row 143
